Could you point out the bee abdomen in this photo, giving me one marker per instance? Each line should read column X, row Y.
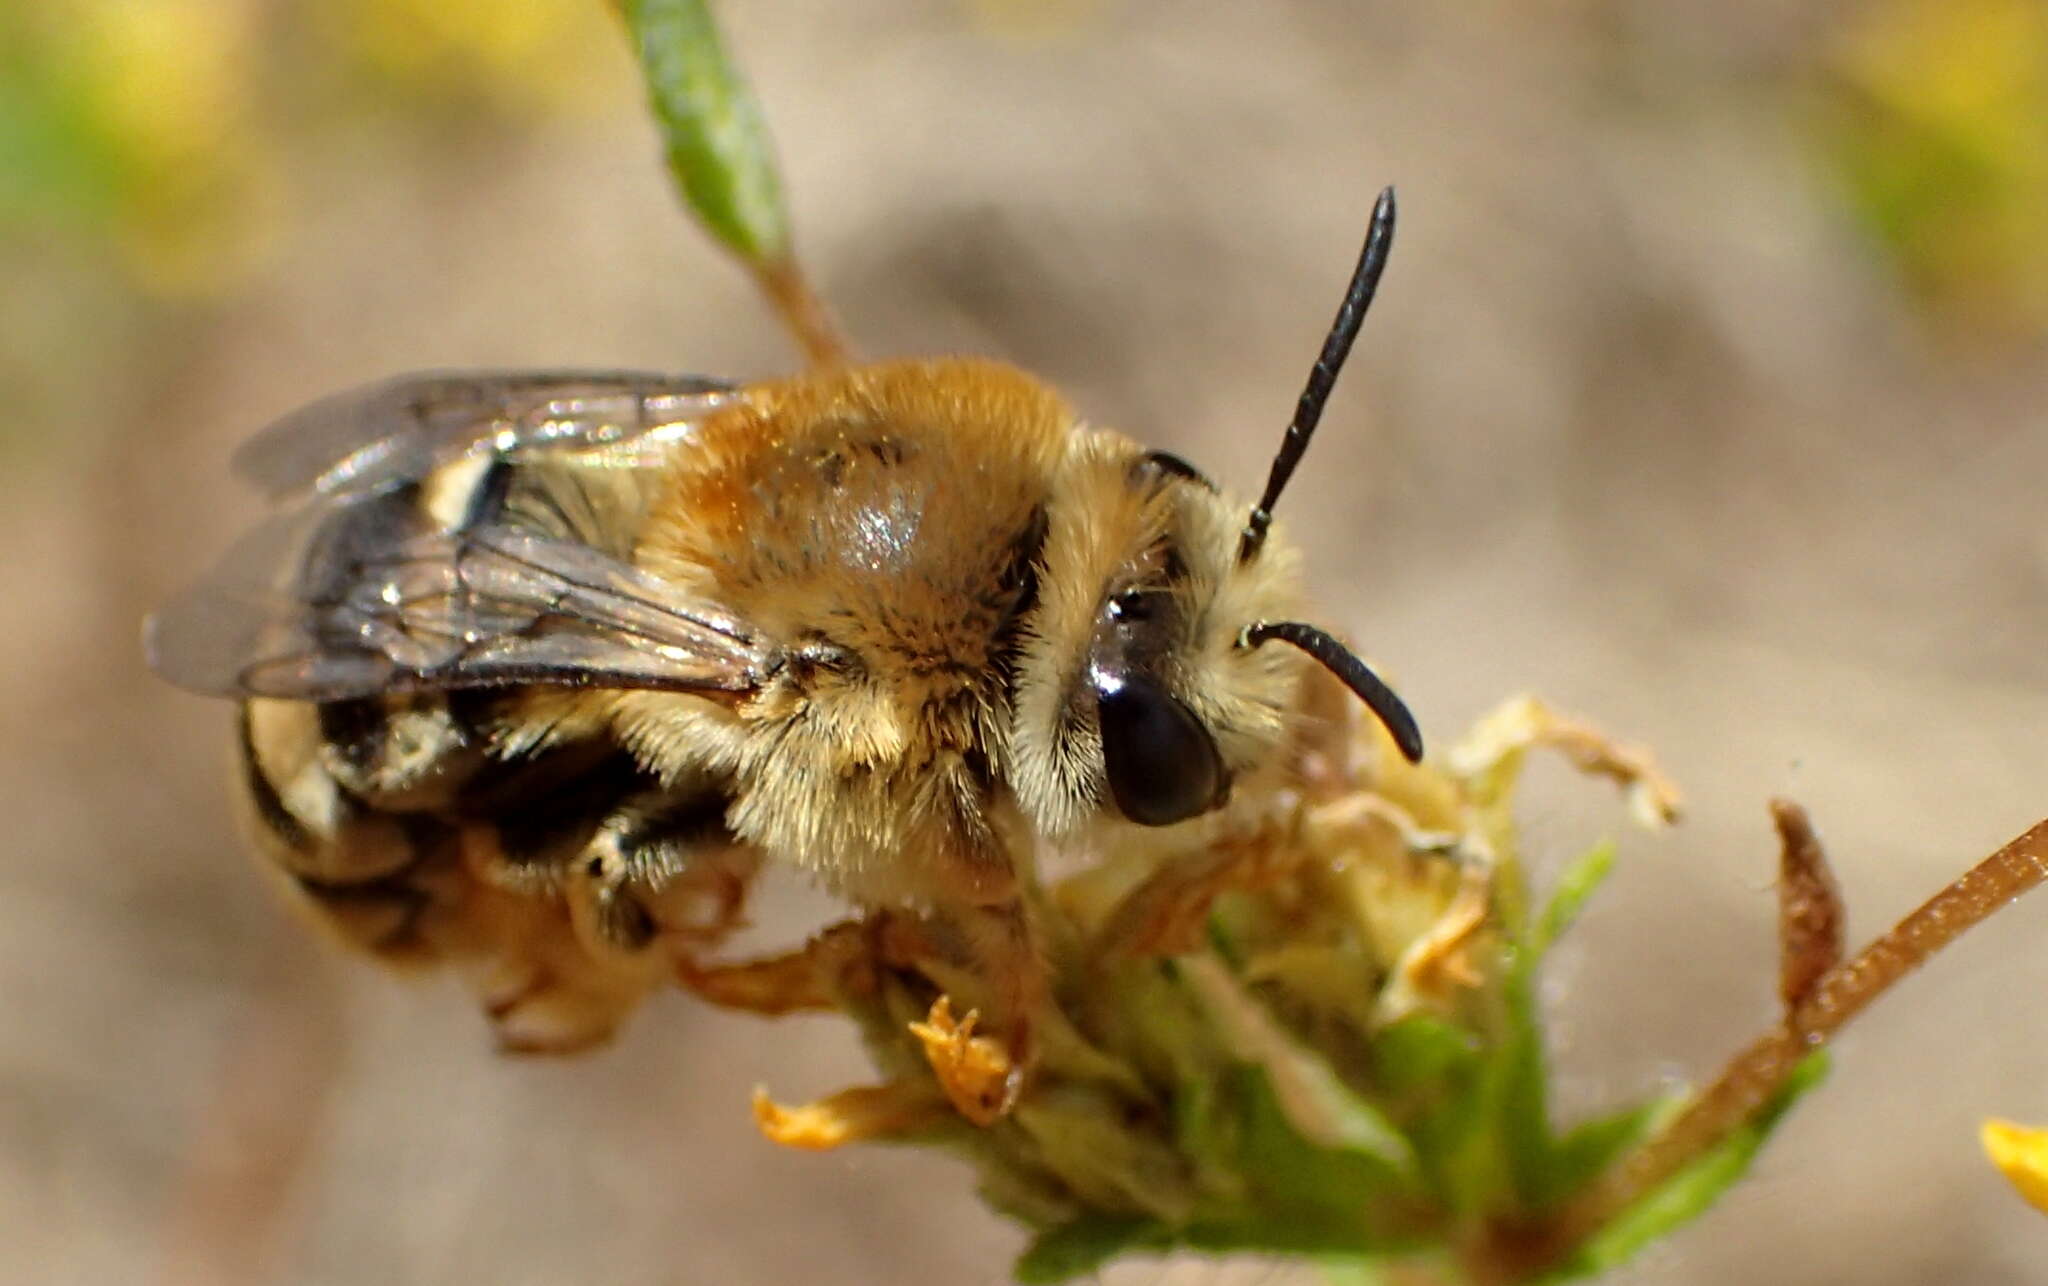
column 383, row 915
column 404, row 753
column 361, row 865
column 282, row 828
column 311, row 822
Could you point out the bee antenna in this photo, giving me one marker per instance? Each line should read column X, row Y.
column 1322, row 377
column 1350, row 671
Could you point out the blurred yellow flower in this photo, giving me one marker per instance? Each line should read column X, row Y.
column 172, row 82
column 519, row 55
column 2021, row 1154
column 1939, row 124
column 155, row 128
column 124, row 123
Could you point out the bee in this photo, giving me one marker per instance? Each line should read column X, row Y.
column 526, row 647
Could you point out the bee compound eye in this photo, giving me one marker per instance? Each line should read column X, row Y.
column 1162, row 764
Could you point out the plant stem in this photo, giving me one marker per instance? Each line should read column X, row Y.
column 1836, row 997
column 802, row 312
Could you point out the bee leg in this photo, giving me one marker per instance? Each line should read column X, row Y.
column 588, row 876
column 414, row 889
column 543, row 988
column 972, row 951
column 574, row 946
column 654, row 876
column 812, row 977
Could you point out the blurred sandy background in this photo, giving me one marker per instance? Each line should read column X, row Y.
column 1705, row 396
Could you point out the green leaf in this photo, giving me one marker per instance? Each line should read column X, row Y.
column 1575, row 886
column 1435, row 1073
column 1322, row 1194
column 717, row 142
column 1314, row 1099
column 1079, row 1133
column 1277, row 1235
column 1420, row 1053
column 1686, row 1195
column 1517, row 1150
column 1084, row 1246
column 1521, row 1095
column 1586, row 1151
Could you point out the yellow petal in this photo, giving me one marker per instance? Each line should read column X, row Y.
column 976, row 1072
column 850, row 1116
column 2021, row 1154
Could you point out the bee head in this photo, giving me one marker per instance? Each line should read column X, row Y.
column 1145, row 684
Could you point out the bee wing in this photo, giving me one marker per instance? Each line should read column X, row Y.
column 419, row 558
column 400, row 429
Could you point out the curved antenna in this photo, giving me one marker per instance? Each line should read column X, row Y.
column 1351, row 672
column 1322, row 377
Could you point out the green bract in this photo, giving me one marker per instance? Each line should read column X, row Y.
column 717, row 145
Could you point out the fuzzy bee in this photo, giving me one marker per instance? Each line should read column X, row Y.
column 527, row 647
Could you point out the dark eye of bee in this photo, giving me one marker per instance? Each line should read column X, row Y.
column 1162, row 764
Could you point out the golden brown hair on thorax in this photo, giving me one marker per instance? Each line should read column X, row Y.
column 880, row 527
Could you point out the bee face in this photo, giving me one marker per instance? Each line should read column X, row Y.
column 1134, row 697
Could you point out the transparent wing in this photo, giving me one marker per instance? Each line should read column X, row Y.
column 402, row 428
column 444, row 539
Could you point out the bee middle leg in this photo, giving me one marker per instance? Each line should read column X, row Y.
column 637, row 889
column 813, row 977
